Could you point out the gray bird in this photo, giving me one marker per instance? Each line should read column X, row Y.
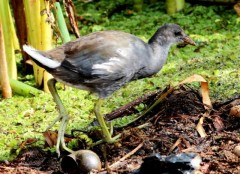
column 102, row 62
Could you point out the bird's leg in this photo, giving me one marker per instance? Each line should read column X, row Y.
column 105, row 131
column 63, row 116
column 54, row 121
column 110, row 127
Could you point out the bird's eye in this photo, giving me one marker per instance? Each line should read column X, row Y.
column 177, row 33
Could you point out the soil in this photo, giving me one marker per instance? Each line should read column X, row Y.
column 167, row 129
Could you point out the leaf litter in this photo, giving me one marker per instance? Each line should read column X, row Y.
column 183, row 120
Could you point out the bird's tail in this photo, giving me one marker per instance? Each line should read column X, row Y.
column 40, row 58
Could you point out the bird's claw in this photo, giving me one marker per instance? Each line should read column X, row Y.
column 113, row 139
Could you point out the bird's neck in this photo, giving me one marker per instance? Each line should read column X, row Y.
column 160, row 50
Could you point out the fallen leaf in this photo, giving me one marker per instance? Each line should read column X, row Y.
column 50, row 138
column 179, row 140
column 237, row 8
column 235, row 111
column 29, row 141
column 230, row 156
column 218, row 124
column 200, row 128
column 204, row 88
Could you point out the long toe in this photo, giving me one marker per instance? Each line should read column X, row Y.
column 110, row 141
column 115, row 139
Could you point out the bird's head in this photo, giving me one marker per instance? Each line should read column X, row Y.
column 171, row 34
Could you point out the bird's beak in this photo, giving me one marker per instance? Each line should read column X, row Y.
column 188, row 40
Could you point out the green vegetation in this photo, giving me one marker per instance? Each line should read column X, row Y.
column 216, row 58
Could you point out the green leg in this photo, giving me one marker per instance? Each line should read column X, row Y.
column 105, row 131
column 63, row 117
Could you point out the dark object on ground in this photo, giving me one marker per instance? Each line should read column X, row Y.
column 82, row 161
column 183, row 163
column 103, row 62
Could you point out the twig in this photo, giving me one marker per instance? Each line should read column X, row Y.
column 225, row 135
column 179, row 140
column 130, row 107
column 126, row 156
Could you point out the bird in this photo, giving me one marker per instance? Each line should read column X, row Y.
column 102, row 62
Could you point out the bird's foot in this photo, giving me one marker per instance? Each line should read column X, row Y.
column 113, row 139
column 109, row 140
column 65, row 148
column 59, row 118
column 110, row 125
column 61, row 139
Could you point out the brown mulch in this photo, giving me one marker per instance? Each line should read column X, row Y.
column 170, row 129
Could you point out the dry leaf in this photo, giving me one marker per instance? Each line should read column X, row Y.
column 28, row 141
column 205, row 97
column 204, row 88
column 237, row 8
column 200, row 128
column 50, row 138
column 179, row 140
column 235, row 111
column 230, row 156
column 218, row 124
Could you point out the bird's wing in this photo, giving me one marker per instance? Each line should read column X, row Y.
column 102, row 56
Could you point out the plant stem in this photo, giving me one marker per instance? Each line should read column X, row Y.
column 6, row 89
column 5, row 16
column 61, row 23
column 23, row 89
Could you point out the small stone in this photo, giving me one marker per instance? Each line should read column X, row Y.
column 235, row 111
column 236, row 151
